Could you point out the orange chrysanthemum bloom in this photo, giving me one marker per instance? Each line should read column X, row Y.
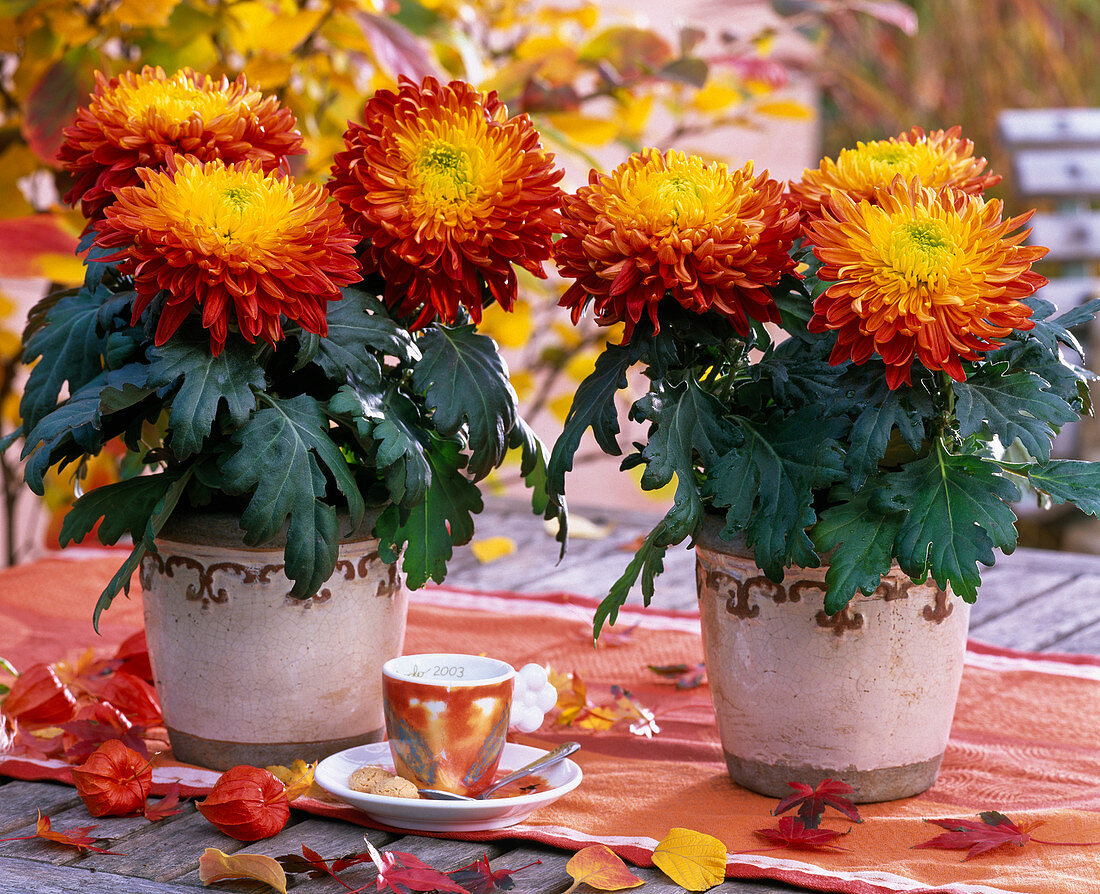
column 137, row 120
column 671, row 224
column 450, row 192
column 941, row 158
column 921, row 273
column 239, row 245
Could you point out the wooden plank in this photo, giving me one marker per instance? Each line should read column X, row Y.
column 163, row 851
column 549, row 875
column 25, row 876
column 1060, row 173
column 1049, row 127
column 329, row 838
column 1085, row 641
column 1043, row 622
column 1070, row 237
column 21, row 801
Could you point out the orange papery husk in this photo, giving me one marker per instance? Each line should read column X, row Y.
column 114, row 781
column 39, row 698
column 247, row 803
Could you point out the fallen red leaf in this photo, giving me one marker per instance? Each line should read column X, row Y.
column 792, row 832
column 811, row 802
column 167, row 806
column 135, row 698
column 76, row 837
column 114, row 781
column 991, row 831
column 38, row 698
column 402, row 873
column 247, row 803
column 479, row 877
column 96, row 723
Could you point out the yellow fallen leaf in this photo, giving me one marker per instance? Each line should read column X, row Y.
column 581, row 528
column 489, row 549
column 599, row 867
column 785, row 109
column 691, row 859
column 298, row 779
column 215, row 866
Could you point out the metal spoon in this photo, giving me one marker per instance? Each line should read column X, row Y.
column 547, row 760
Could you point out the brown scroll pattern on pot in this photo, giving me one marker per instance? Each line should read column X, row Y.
column 740, row 593
column 204, row 589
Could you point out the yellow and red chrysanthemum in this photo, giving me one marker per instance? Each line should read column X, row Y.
column 671, row 224
column 236, row 244
column 941, row 158
column 926, row 274
column 137, row 120
column 451, row 193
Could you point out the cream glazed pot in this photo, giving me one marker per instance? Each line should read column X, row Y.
column 247, row 674
column 865, row 696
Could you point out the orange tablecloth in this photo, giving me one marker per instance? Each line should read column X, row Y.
column 1026, row 741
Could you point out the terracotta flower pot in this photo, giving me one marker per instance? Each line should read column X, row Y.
column 865, row 696
column 247, row 674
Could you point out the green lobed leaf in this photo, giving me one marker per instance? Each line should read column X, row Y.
column 532, row 466
column 686, row 422
column 1049, row 332
column 1013, row 406
column 647, row 564
column 356, row 322
column 69, row 349
column 154, row 512
column 434, row 526
column 392, row 424
column 883, row 413
column 464, row 382
column 766, row 485
column 1069, row 481
column 594, row 407
column 282, row 449
column 204, row 384
column 956, row 511
column 860, row 541
column 125, row 507
column 83, row 423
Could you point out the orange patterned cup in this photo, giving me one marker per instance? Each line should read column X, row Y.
column 447, row 716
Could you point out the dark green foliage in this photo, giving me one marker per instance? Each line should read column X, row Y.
column 811, row 463
column 465, row 385
column 293, row 433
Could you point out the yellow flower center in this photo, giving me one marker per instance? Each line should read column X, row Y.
column 175, row 100
column 443, row 173
column 880, row 161
column 240, row 211
column 672, row 197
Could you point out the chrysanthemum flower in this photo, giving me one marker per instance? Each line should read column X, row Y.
column 672, row 224
column 137, row 120
column 450, row 192
column 941, row 158
column 921, row 273
column 238, row 245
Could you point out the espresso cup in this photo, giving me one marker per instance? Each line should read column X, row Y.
column 448, row 715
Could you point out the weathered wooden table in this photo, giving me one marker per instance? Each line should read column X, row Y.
column 1033, row 600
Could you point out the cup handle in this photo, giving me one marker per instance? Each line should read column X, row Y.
column 533, row 695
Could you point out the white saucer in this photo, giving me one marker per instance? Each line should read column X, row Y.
column 422, row 815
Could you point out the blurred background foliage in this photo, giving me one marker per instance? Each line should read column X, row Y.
column 966, row 62
column 597, row 88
